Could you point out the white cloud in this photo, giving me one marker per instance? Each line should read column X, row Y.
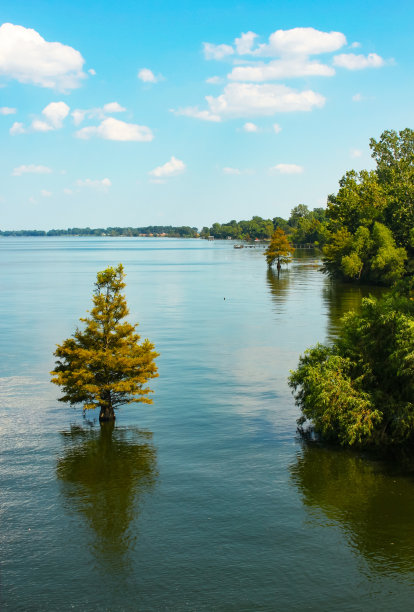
column 147, row 76
column 250, row 127
column 92, row 71
column 194, row 111
column 114, row 129
column 31, row 169
column 215, row 80
column 245, row 43
column 288, row 169
column 357, row 97
column 228, row 170
column 29, row 58
column 244, row 99
column 53, row 116
column 356, row 153
column 110, row 108
column 67, row 191
column 355, row 45
column 113, row 107
column 302, row 42
column 45, row 194
column 6, row 110
column 41, row 126
column 276, row 128
column 100, row 185
column 350, row 61
column 280, row 69
column 17, row 128
column 55, row 113
column 217, row 52
column 171, row 168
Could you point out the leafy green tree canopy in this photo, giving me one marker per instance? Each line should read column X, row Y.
column 104, row 365
column 360, row 390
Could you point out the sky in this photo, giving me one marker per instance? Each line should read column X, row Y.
column 186, row 113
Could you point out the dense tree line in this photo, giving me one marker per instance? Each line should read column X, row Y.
column 303, row 226
column 359, row 390
column 370, row 221
column 150, row 230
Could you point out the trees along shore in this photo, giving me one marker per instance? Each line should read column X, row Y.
column 105, row 365
column 359, row 391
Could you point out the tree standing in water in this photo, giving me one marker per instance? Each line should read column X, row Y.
column 104, row 365
column 279, row 249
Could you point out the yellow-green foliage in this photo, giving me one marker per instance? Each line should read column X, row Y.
column 104, row 365
column 279, row 249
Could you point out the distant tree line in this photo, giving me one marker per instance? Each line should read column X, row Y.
column 150, row 230
column 303, row 226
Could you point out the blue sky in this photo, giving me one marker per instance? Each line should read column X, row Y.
column 139, row 113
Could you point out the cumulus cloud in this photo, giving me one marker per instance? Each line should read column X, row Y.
column 17, row 128
column 350, row 61
column 171, row 168
column 355, row 153
column 6, row 110
column 110, row 108
column 276, row 128
column 302, row 42
column 114, row 129
column 31, row 169
column 92, row 71
column 147, row 76
column 100, row 185
column 217, row 52
column 45, row 193
column 287, row 169
column 280, row 69
column 244, row 44
column 296, row 42
column 357, row 97
column 250, row 127
column 244, row 99
column 29, row 58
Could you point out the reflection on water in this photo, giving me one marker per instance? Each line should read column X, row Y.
column 372, row 504
column 105, row 472
column 278, row 283
column 340, row 297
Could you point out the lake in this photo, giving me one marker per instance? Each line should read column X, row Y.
column 206, row 500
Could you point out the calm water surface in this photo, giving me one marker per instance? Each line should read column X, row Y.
column 205, row 500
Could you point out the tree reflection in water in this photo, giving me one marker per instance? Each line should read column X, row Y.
column 278, row 283
column 363, row 497
column 105, row 473
column 340, row 298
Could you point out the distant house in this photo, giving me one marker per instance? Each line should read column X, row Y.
column 210, row 237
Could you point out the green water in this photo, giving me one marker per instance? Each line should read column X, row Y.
column 206, row 500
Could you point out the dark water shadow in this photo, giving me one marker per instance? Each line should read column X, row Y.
column 105, row 473
column 340, row 297
column 372, row 502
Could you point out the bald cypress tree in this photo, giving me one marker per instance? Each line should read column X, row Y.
column 279, row 249
column 104, row 365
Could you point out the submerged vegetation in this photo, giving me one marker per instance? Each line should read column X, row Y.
column 104, row 365
column 360, row 390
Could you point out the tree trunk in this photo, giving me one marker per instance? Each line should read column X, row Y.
column 106, row 413
column 278, row 264
column 107, row 410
